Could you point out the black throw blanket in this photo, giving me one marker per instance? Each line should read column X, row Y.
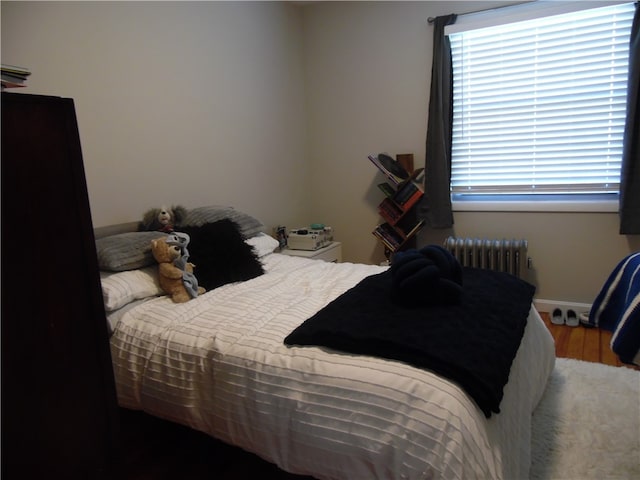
column 473, row 343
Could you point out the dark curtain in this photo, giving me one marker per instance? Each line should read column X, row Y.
column 630, row 171
column 435, row 208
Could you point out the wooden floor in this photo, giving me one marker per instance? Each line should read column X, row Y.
column 581, row 343
column 157, row 450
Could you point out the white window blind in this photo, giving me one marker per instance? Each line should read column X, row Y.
column 539, row 105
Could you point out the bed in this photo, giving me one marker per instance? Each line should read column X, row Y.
column 219, row 364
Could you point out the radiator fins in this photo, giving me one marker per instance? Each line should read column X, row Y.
column 501, row 255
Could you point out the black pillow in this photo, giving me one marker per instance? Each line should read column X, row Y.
column 429, row 276
column 220, row 254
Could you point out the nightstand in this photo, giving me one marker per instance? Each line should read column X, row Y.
column 330, row 253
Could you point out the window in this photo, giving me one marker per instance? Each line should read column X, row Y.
column 539, row 105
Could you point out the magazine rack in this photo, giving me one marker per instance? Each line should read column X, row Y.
column 402, row 192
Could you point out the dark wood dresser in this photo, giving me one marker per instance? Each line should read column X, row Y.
column 59, row 410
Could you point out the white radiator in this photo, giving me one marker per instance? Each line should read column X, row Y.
column 502, row 255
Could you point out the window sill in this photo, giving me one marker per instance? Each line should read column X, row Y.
column 538, row 205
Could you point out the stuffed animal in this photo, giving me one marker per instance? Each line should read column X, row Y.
column 162, row 219
column 175, row 275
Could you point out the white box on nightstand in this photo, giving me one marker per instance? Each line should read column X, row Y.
column 330, row 253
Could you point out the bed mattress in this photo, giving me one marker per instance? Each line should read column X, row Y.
column 219, row 365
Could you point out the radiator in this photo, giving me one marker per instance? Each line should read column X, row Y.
column 502, row 255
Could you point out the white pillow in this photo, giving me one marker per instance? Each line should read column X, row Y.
column 263, row 244
column 120, row 288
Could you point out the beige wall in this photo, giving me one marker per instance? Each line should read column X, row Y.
column 270, row 107
column 194, row 103
column 367, row 81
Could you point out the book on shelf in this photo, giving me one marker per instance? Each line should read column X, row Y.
column 409, row 199
column 408, row 194
column 409, row 226
column 15, row 70
column 412, row 200
column 13, row 76
column 8, row 82
column 387, row 189
column 415, row 229
column 389, row 167
column 389, row 236
column 404, row 192
column 392, row 239
column 387, row 245
column 390, row 211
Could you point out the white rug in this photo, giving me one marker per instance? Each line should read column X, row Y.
column 587, row 425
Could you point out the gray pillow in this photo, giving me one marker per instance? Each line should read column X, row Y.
column 196, row 217
column 126, row 251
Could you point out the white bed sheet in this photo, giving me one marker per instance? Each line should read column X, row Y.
column 219, row 365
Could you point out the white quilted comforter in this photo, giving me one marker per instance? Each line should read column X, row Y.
column 219, row 365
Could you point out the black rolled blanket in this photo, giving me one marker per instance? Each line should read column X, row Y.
column 429, row 276
column 472, row 343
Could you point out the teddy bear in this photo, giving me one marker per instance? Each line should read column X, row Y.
column 175, row 272
column 162, row 219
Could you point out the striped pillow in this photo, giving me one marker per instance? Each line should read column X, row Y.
column 126, row 251
column 196, row 217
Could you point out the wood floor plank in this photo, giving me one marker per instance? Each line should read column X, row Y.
column 591, row 350
column 575, row 346
column 581, row 343
column 563, row 335
column 606, row 354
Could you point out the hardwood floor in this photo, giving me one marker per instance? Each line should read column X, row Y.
column 153, row 449
column 581, row 343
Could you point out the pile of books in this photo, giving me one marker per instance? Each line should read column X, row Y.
column 408, row 194
column 402, row 192
column 13, row 76
column 392, row 238
column 390, row 211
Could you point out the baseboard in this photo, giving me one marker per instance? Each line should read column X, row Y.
column 549, row 305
